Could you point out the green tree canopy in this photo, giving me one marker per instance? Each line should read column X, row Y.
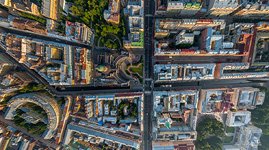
column 90, row 12
column 260, row 118
column 211, row 143
column 209, row 127
column 209, row 131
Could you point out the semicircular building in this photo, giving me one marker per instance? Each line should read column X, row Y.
column 47, row 103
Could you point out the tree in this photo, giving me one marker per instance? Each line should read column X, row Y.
column 260, row 118
column 262, row 121
column 209, row 131
column 90, row 12
column 32, row 87
column 209, row 126
column 211, row 143
column 215, row 142
column 133, row 110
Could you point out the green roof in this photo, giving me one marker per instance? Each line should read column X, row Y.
column 101, row 68
column 188, row 5
column 193, row 5
column 168, row 125
column 196, row 5
column 141, row 40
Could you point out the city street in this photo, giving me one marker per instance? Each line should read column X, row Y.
column 196, row 59
column 205, row 84
column 41, row 37
column 228, row 18
column 149, row 10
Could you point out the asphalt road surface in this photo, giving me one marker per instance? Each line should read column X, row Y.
column 42, row 37
column 196, row 59
column 147, row 134
column 207, row 84
column 228, row 18
column 149, row 11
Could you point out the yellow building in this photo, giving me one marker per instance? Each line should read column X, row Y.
column 22, row 5
column 49, row 9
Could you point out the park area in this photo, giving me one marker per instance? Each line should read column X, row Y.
column 93, row 17
column 136, row 70
column 210, row 133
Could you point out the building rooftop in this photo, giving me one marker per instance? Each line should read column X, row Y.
column 238, row 118
column 105, row 135
column 175, row 113
column 47, row 103
column 249, row 137
column 173, row 72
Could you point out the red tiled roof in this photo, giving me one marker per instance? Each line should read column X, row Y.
column 184, row 147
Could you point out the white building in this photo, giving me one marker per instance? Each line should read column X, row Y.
column 135, row 12
column 249, row 138
column 237, row 119
column 174, row 5
column 184, row 38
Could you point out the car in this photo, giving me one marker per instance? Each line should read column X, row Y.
column 167, row 85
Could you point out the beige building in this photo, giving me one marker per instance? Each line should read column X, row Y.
column 50, row 10
column 254, row 10
column 112, row 15
column 22, row 5
column 222, row 7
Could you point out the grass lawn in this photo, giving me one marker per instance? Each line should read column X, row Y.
column 76, row 145
column 137, row 69
column 33, row 17
column 230, row 130
column 227, row 139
